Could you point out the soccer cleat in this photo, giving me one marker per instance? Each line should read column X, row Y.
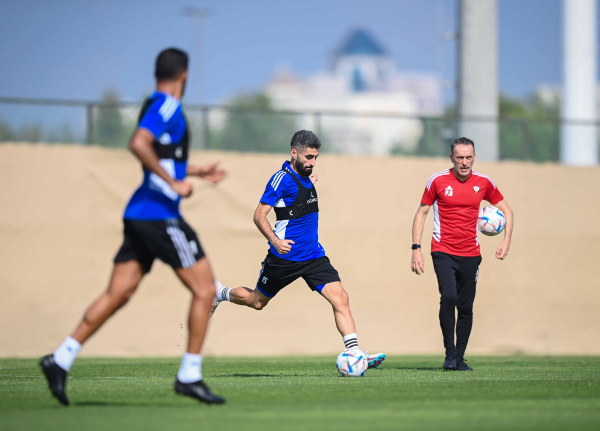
column 199, row 391
column 375, row 360
column 57, row 378
column 450, row 362
column 219, row 296
column 462, row 366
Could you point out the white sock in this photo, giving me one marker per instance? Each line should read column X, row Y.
column 222, row 291
column 191, row 368
column 351, row 341
column 66, row 353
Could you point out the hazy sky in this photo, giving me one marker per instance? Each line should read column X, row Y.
column 75, row 49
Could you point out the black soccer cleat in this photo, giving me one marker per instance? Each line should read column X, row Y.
column 462, row 366
column 199, row 391
column 450, row 362
column 57, row 378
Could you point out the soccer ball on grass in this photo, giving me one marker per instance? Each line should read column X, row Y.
column 352, row 363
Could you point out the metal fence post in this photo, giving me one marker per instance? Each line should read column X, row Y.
column 526, row 154
column 205, row 128
column 90, row 123
column 317, row 121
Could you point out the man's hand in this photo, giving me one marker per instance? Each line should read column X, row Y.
column 417, row 264
column 283, row 246
column 182, row 188
column 211, row 173
column 502, row 251
column 314, row 178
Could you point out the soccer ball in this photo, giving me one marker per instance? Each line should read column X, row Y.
column 491, row 221
column 352, row 363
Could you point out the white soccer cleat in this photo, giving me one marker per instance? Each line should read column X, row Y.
column 220, row 291
column 375, row 360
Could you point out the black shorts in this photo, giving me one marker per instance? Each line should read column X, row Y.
column 173, row 241
column 276, row 273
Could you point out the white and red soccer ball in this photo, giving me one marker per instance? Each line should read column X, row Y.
column 352, row 363
column 491, row 221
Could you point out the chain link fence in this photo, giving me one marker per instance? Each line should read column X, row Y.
column 249, row 130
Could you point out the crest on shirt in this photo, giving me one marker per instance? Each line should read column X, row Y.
column 476, row 188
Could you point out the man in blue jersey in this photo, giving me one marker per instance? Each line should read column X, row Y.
column 153, row 229
column 294, row 243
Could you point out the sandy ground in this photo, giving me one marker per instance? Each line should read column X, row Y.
column 60, row 226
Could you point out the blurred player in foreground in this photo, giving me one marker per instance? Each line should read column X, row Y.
column 294, row 244
column 455, row 195
column 153, row 229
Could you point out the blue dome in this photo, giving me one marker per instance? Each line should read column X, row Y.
column 360, row 42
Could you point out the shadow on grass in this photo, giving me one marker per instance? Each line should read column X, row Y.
column 253, row 375
column 439, row 369
column 129, row 404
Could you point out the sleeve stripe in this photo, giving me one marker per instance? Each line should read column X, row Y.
column 173, row 107
column 275, row 178
column 279, row 181
column 168, row 108
column 165, row 106
column 434, row 176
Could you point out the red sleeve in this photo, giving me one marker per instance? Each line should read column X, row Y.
column 492, row 194
column 429, row 196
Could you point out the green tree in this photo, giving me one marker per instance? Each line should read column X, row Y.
column 252, row 125
column 30, row 132
column 63, row 135
column 6, row 132
column 110, row 129
column 437, row 135
column 529, row 130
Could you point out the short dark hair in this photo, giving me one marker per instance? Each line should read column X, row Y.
column 461, row 141
column 305, row 139
column 170, row 63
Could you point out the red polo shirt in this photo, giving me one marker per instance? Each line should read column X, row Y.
column 456, row 208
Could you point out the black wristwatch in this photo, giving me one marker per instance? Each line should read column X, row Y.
column 415, row 246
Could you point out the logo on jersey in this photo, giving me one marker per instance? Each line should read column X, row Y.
column 476, row 189
column 165, row 139
column 194, row 247
column 448, row 191
column 312, row 199
column 179, row 152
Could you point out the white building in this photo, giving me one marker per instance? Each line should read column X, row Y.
column 362, row 78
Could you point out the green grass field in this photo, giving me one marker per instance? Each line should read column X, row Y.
column 406, row 393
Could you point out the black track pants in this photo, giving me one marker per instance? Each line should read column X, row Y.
column 457, row 280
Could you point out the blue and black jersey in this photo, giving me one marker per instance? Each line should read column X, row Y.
column 282, row 191
column 162, row 116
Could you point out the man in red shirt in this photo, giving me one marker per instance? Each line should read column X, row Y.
column 456, row 195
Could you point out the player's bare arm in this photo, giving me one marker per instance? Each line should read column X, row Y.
column 503, row 248
column 283, row 246
column 141, row 145
column 211, row 172
column 417, row 264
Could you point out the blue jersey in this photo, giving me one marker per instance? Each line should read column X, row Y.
column 281, row 191
column 155, row 200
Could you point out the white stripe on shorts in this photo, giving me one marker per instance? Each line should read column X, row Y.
column 184, row 251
